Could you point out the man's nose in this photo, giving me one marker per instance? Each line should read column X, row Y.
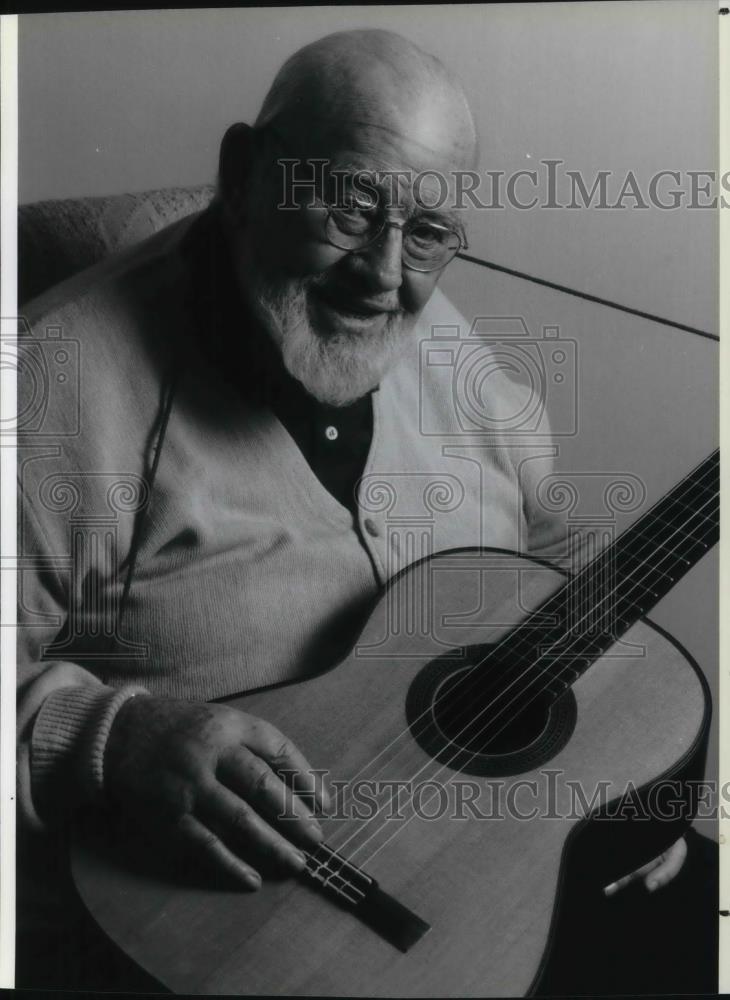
column 384, row 260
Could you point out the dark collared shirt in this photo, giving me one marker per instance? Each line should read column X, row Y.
column 335, row 441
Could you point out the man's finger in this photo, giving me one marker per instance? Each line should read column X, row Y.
column 252, row 779
column 240, row 826
column 662, row 870
column 284, row 757
column 671, row 863
column 615, row 887
column 204, row 843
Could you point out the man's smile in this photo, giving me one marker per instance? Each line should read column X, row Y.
column 351, row 311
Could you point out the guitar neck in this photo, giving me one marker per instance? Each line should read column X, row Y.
column 627, row 579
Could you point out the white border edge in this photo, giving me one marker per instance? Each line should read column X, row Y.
column 8, row 578
column 724, row 678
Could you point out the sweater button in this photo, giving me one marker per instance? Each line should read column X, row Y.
column 371, row 527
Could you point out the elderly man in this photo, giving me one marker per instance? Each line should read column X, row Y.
column 241, row 373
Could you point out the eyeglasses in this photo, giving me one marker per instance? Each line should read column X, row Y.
column 427, row 246
column 355, row 225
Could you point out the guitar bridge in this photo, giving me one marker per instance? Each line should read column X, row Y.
column 360, row 893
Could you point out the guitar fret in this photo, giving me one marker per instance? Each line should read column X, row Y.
column 685, row 506
column 658, row 545
column 674, row 526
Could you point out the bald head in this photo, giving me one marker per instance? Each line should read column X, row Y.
column 373, row 80
column 379, row 132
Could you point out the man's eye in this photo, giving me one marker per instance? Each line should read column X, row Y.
column 354, row 216
column 352, row 210
column 428, row 236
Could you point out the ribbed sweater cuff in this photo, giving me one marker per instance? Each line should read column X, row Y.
column 70, row 734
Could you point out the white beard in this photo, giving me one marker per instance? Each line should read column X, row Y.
column 335, row 369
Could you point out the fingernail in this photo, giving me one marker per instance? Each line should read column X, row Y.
column 325, row 796
column 252, row 880
column 610, row 889
column 651, row 885
column 314, row 828
column 299, row 860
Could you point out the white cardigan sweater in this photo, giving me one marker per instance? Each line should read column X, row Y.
column 249, row 572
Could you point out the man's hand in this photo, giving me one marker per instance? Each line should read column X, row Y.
column 656, row 873
column 208, row 778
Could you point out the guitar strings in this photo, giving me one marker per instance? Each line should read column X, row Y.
column 529, row 669
column 673, row 553
column 647, row 592
column 402, row 825
column 680, row 489
column 349, row 891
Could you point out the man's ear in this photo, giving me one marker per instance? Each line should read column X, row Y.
column 235, row 162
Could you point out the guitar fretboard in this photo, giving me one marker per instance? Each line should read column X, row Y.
column 623, row 583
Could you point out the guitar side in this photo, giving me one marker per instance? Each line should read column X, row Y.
column 487, row 885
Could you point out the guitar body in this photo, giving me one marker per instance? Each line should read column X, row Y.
column 489, row 883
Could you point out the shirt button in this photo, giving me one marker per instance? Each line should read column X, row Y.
column 371, row 527
column 331, row 433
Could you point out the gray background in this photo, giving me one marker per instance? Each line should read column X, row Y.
column 129, row 101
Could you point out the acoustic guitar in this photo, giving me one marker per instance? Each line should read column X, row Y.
column 504, row 734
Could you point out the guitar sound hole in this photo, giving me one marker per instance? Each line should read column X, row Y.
column 462, row 712
column 463, row 716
